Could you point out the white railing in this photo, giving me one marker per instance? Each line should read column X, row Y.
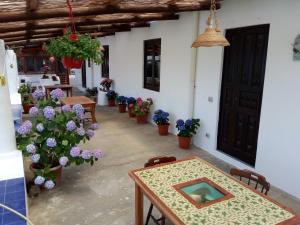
column 17, row 213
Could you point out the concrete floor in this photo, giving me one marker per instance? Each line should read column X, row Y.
column 104, row 194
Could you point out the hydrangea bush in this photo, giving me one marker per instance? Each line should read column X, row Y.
column 141, row 107
column 121, row 100
column 187, row 128
column 160, row 117
column 51, row 138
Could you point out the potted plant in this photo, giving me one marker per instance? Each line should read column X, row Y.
column 142, row 109
column 130, row 105
column 92, row 93
column 122, row 103
column 186, row 130
column 106, row 84
column 51, row 140
column 74, row 48
column 161, row 119
column 111, row 97
column 25, row 92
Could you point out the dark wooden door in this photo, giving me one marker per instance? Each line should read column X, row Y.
column 242, row 90
column 83, row 74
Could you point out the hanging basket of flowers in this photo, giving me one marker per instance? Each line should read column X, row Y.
column 74, row 48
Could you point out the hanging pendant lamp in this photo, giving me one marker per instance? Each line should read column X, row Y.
column 212, row 35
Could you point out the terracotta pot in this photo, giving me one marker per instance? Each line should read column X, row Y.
column 142, row 119
column 163, row 129
column 26, row 108
column 184, row 142
column 57, row 170
column 70, row 63
column 130, row 112
column 111, row 102
column 122, row 108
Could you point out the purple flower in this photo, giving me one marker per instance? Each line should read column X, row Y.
column 181, row 128
column 25, row 128
column 39, row 180
column 189, row 122
column 31, row 148
column 71, row 125
column 66, row 108
column 34, row 111
column 79, row 110
column 51, row 142
column 57, row 94
column 80, row 131
column 49, row 184
column 49, row 112
column 98, row 154
column 94, row 126
column 38, row 94
column 35, row 158
column 86, row 154
column 40, row 127
column 90, row 133
column 75, row 151
column 63, row 160
column 180, row 122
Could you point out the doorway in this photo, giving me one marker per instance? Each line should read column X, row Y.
column 83, row 74
column 242, row 90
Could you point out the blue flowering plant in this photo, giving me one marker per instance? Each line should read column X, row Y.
column 51, row 139
column 130, row 101
column 121, row 100
column 160, row 117
column 187, row 128
column 111, row 95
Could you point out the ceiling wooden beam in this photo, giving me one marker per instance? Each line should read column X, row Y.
column 89, row 11
column 32, row 5
column 14, row 28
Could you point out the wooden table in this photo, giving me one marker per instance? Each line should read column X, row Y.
column 65, row 87
column 84, row 101
column 241, row 203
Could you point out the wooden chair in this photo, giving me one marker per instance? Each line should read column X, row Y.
column 258, row 179
column 152, row 162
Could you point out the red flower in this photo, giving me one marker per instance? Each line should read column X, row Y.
column 73, row 37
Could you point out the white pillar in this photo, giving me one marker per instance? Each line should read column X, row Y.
column 7, row 131
column 12, row 71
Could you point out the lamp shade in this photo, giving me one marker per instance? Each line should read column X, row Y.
column 210, row 38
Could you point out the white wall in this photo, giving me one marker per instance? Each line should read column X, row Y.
column 126, row 64
column 278, row 141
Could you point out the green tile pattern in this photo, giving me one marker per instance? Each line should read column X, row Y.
column 246, row 207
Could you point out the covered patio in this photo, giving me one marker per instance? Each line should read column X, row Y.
column 162, row 112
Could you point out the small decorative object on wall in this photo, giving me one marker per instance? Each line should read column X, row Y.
column 130, row 105
column 122, row 103
column 111, row 97
column 161, row 119
column 186, row 130
column 296, row 48
column 51, row 139
column 142, row 109
column 2, row 80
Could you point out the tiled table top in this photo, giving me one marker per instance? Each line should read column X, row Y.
column 12, row 194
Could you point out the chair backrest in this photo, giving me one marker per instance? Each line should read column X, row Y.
column 159, row 160
column 252, row 176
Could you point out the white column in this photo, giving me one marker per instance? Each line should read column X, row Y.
column 7, row 131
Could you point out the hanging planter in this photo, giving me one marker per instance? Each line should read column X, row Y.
column 73, row 48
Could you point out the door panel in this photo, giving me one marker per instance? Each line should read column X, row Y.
column 241, row 92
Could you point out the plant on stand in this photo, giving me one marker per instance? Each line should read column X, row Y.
column 51, row 140
column 122, row 103
column 161, row 119
column 92, row 93
column 25, row 92
column 130, row 105
column 186, row 130
column 111, row 97
column 142, row 109
column 106, row 85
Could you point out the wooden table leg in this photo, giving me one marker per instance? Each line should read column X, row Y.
column 93, row 112
column 139, row 206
